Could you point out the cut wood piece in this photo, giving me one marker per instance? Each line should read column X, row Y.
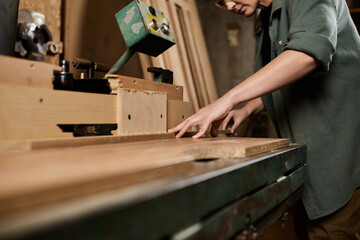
column 117, row 81
column 141, row 112
column 29, row 179
column 20, row 72
column 230, row 148
column 178, row 111
column 35, row 144
column 28, row 112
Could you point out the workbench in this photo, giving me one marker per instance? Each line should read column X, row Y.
column 193, row 189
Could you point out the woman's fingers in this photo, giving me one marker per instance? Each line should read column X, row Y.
column 181, row 125
column 203, row 129
column 188, row 124
column 177, row 128
column 227, row 120
column 215, row 127
column 235, row 126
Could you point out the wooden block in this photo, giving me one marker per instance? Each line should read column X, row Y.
column 20, row 72
column 173, row 92
column 28, row 112
column 233, row 147
column 141, row 112
column 178, row 111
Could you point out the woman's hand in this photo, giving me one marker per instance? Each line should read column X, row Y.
column 234, row 119
column 238, row 116
column 212, row 114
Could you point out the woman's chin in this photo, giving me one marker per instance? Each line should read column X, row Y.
column 248, row 13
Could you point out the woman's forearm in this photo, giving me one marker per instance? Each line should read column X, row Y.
column 287, row 68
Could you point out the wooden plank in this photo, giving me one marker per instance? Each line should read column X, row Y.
column 29, row 179
column 178, row 111
column 35, row 144
column 174, row 92
column 35, row 112
column 21, row 72
column 230, row 147
column 201, row 53
column 192, row 54
column 179, row 55
column 141, row 112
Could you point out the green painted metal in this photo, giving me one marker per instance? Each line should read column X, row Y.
column 135, row 25
column 131, row 24
column 160, row 214
column 122, row 61
column 230, row 220
column 157, row 78
column 140, row 36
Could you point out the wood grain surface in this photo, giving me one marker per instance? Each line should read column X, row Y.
column 34, row 178
column 21, row 72
column 141, row 112
column 178, row 111
column 173, row 92
column 34, row 144
column 29, row 112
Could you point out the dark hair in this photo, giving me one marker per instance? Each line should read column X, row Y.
column 220, row 3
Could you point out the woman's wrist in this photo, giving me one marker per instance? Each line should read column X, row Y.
column 254, row 106
column 231, row 95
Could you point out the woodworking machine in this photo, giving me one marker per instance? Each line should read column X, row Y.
column 145, row 29
column 126, row 177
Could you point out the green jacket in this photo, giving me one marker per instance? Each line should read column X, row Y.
column 323, row 109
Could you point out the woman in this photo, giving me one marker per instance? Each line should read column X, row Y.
column 308, row 80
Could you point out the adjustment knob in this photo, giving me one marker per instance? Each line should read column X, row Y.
column 166, row 22
column 152, row 10
column 154, row 24
column 165, row 29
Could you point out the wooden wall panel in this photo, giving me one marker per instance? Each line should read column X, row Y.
column 188, row 58
column 231, row 42
column 91, row 32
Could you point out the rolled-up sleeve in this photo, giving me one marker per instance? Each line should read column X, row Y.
column 313, row 29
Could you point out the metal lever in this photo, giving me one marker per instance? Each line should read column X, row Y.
column 80, row 63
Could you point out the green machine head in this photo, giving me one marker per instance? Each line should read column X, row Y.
column 145, row 29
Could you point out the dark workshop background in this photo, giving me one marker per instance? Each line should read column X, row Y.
column 88, row 30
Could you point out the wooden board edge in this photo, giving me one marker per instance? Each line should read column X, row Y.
column 174, row 92
column 277, row 144
column 38, row 144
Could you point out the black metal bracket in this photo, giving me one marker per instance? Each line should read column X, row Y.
column 162, row 75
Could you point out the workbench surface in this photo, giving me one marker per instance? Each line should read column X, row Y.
column 185, row 190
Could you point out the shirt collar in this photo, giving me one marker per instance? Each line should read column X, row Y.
column 276, row 5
